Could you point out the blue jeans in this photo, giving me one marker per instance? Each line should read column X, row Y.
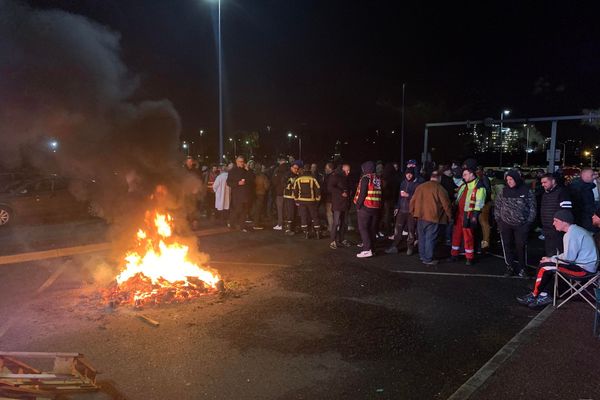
column 427, row 233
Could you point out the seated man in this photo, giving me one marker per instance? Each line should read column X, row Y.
column 579, row 259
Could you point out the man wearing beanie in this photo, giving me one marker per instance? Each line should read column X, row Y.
column 579, row 259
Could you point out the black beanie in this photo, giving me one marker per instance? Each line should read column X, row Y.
column 565, row 216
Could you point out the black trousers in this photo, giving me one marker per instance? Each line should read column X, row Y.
column 338, row 226
column 309, row 214
column 289, row 210
column 404, row 221
column 553, row 241
column 514, row 243
column 367, row 226
column 239, row 209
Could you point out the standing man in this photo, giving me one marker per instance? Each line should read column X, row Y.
column 554, row 198
column 222, row 193
column 261, row 188
column 470, row 200
column 239, row 180
column 289, row 203
column 404, row 219
column 326, row 195
column 337, row 187
column 278, row 184
column 307, row 194
column 515, row 211
column 431, row 206
column 582, row 196
column 368, row 203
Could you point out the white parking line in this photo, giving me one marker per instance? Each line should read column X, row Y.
column 455, row 274
column 476, row 381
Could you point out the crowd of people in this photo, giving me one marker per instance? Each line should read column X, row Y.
column 459, row 205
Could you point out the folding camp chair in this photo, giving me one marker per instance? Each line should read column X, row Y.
column 582, row 286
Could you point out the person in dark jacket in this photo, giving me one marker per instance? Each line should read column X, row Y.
column 368, row 203
column 390, row 185
column 241, row 183
column 278, row 182
column 337, row 187
column 582, row 196
column 515, row 210
column 553, row 198
column 404, row 219
column 326, row 196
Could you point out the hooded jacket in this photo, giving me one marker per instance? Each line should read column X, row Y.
column 582, row 196
column 515, row 206
column 337, row 185
column 409, row 187
column 368, row 168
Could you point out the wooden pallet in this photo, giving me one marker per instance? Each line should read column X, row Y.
column 70, row 374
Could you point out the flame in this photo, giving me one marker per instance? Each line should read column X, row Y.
column 160, row 263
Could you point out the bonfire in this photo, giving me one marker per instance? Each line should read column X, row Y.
column 159, row 269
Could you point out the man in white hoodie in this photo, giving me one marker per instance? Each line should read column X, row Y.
column 579, row 259
column 222, row 192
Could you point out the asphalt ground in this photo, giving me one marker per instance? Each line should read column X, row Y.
column 298, row 321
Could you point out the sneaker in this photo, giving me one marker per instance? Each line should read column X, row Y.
column 346, row 243
column 404, row 233
column 365, row 254
column 391, row 237
column 522, row 274
column 351, row 228
column 244, row 230
column 527, row 299
column 278, row 228
column 360, row 245
column 540, row 301
column 542, row 237
column 391, row 250
column 290, row 233
column 484, row 244
column 432, row 262
column 333, row 245
column 258, row 228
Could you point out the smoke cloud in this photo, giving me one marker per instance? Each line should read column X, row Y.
column 62, row 77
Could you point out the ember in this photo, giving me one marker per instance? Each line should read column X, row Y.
column 159, row 269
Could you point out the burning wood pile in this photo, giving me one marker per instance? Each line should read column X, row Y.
column 159, row 269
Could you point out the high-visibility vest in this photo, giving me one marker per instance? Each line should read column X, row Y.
column 373, row 199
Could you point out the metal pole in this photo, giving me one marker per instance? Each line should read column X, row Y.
column 501, row 141
column 299, row 147
column 425, row 145
column 220, row 56
column 402, row 129
column 527, row 148
column 552, row 147
column 564, row 154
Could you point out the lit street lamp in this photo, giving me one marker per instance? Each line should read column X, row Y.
column 502, row 114
column 291, row 135
column 590, row 154
column 220, row 66
column 234, row 147
column 186, row 147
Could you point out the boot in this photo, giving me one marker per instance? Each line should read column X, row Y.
column 306, row 232
column 288, row 229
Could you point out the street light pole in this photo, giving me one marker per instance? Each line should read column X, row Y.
column 527, row 147
column 402, row 128
column 220, row 56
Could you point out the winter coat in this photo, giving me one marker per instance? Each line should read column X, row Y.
column 279, row 179
column 582, row 196
column 409, row 187
column 325, row 194
column 261, row 184
column 222, row 192
column 241, row 193
column 515, row 206
column 337, row 184
column 551, row 202
column 430, row 203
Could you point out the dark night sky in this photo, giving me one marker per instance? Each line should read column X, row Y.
column 329, row 67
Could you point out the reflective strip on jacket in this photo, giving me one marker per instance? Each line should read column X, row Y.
column 373, row 198
column 474, row 201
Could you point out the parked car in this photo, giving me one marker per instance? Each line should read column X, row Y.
column 43, row 198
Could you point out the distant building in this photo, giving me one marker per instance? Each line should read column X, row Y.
column 489, row 140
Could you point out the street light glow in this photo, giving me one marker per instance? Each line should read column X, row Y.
column 290, row 134
column 506, row 112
